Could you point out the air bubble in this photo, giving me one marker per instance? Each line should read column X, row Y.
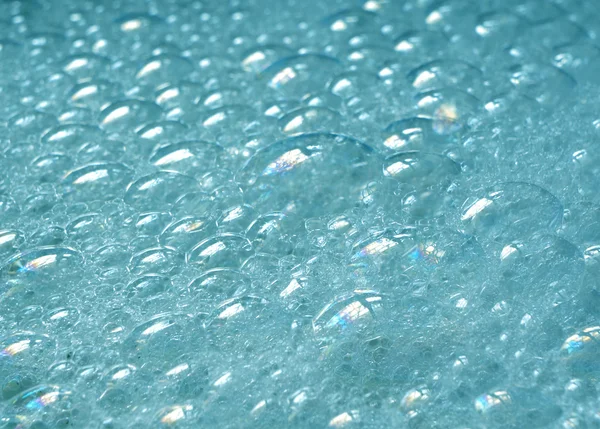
column 220, row 251
column 319, row 163
column 128, row 116
column 159, row 190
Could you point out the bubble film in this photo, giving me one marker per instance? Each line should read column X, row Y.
column 299, row 214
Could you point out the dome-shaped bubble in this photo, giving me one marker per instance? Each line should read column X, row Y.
column 259, row 58
column 231, row 125
column 233, row 308
column 158, row 340
column 440, row 74
column 220, row 97
column 177, row 415
column 179, row 99
column 71, row 137
column 157, row 260
column 416, row 44
column 220, row 251
column 543, row 266
column 451, row 16
column 139, row 24
column 273, row 232
column 47, row 403
column 579, row 353
column 370, row 58
column 450, row 109
column 52, row 167
column 97, row 181
column 183, row 233
column 579, row 60
column 10, row 240
column 160, row 133
column 420, row 169
column 219, row 283
column 30, row 125
column 62, row 318
column 110, row 260
column 42, row 262
column 416, row 133
column 310, row 119
column 349, row 20
column 517, row 406
column 498, row 28
column 86, row 66
column 95, row 94
column 236, row 218
column 25, row 350
column 299, row 75
column 331, row 168
column 512, row 211
column 163, row 69
column 350, row 312
column 188, row 157
column 544, row 83
column 128, row 116
column 148, row 286
column 86, row 226
column 159, row 190
column 385, row 254
column 353, row 84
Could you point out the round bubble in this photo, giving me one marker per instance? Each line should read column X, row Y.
column 183, row 233
column 128, row 116
column 299, row 75
column 220, row 251
column 195, row 158
column 331, row 170
column 310, row 119
column 97, row 181
column 421, row 170
column 512, row 211
column 159, row 190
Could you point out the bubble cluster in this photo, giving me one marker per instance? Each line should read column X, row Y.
column 345, row 214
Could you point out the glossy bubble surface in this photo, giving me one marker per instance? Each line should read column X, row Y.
column 299, row 214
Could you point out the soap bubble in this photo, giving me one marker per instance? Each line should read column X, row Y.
column 220, row 251
column 188, row 157
column 309, row 119
column 159, row 190
column 512, row 211
column 421, row 170
column 517, row 406
column 445, row 73
column 163, row 69
column 158, row 340
column 95, row 94
column 299, row 75
column 313, row 161
column 97, row 181
column 84, row 67
column 219, row 283
column 450, row 109
column 158, row 260
column 46, row 262
column 546, row 84
column 416, row 133
column 128, row 116
column 579, row 352
column 352, row 312
column 182, row 234
column 259, row 58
